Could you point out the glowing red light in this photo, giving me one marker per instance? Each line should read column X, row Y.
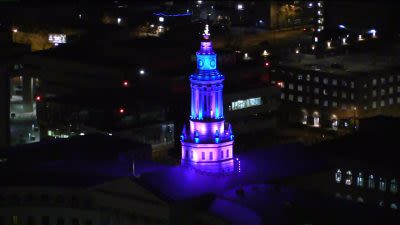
column 266, row 64
column 125, row 83
column 121, row 110
column 38, row 98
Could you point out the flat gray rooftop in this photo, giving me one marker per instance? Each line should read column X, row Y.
column 351, row 64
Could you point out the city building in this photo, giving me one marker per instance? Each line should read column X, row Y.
column 207, row 144
column 336, row 91
column 254, row 14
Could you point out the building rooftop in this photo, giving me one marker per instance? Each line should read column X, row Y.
column 256, row 194
column 349, row 65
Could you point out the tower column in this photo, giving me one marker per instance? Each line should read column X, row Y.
column 4, row 108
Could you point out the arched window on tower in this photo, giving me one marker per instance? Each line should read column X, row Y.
column 360, row 180
column 393, row 186
column 338, row 176
column 371, row 182
column 349, row 178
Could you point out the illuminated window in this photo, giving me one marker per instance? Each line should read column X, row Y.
column 398, row 99
column 300, row 98
column 305, row 116
column 383, row 92
column 316, row 90
column 316, row 119
column 338, row 176
column 290, row 97
column 282, row 95
column 291, row 86
column 393, row 186
column 203, row 156
column 391, row 90
column 308, row 77
column 382, row 184
column 299, row 77
column 316, row 101
column 15, row 220
column 344, row 83
column 365, row 107
column 250, row 102
column 390, row 101
column 300, row 88
column 344, row 94
column 374, row 104
column 393, row 206
column 371, row 182
column 349, row 178
column 325, row 81
column 334, row 82
column 382, row 103
column 352, row 84
column 334, row 93
column 398, row 88
column 352, row 96
column 211, row 156
column 373, row 93
column 316, row 79
column 374, row 82
column 360, row 180
column 383, row 81
column 326, row 103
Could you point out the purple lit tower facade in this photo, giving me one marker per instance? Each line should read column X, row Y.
column 207, row 144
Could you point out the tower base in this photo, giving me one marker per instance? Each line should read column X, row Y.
column 226, row 167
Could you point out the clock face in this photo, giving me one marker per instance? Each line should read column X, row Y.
column 200, row 63
column 212, row 63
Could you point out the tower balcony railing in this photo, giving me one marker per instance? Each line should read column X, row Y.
column 212, row 138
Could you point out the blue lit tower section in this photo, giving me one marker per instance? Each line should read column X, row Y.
column 208, row 143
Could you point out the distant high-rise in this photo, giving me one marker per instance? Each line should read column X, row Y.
column 208, row 143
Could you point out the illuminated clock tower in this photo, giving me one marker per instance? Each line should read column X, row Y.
column 207, row 144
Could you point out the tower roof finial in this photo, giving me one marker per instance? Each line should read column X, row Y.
column 206, row 33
